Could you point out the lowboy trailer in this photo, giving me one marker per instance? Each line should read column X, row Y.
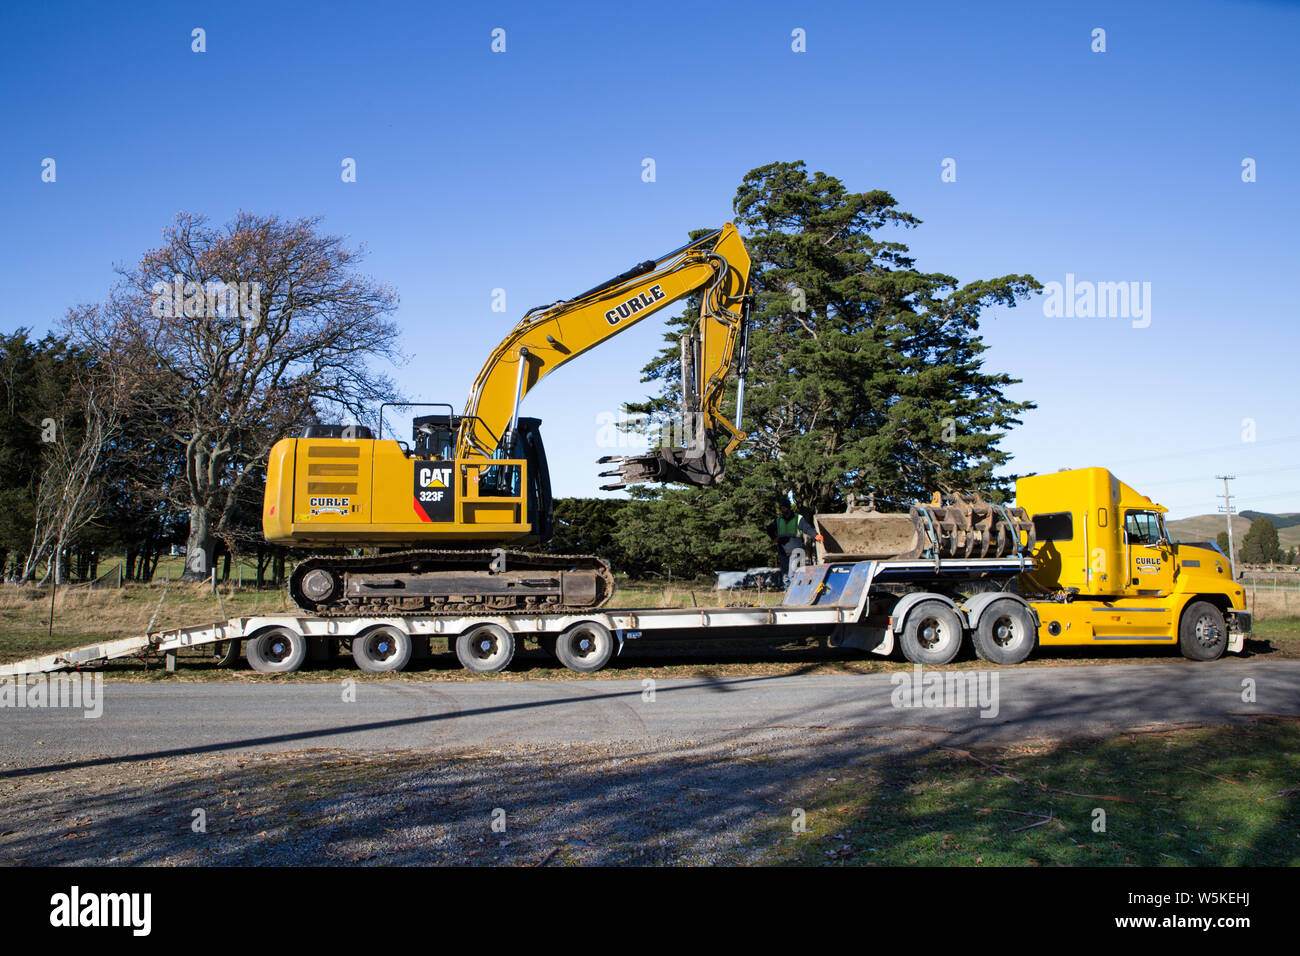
column 927, row 608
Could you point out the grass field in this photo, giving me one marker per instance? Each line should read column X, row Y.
column 1226, row 796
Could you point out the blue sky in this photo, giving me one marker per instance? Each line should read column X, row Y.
column 522, row 171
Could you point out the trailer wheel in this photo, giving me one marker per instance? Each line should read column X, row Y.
column 485, row 648
column 1005, row 634
column 276, row 651
column 1202, row 634
column 225, row 653
column 585, row 647
column 382, row 649
column 932, row 634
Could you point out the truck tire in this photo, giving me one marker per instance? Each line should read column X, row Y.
column 485, row 648
column 585, row 647
column 382, row 649
column 1202, row 633
column 1005, row 634
column 932, row 634
column 276, row 651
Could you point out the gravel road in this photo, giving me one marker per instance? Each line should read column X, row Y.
column 577, row 771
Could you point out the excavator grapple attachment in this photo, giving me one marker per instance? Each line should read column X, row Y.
column 699, row 464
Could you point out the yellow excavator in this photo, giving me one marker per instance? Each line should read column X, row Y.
column 475, row 484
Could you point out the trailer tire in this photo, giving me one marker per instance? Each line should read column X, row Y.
column 276, row 651
column 382, row 649
column 932, row 634
column 1202, row 633
column 585, row 647
column 1005, row 634
column 485, row 648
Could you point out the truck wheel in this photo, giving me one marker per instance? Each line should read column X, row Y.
column 585, row 647
column 277, row 651
column 1005, row 634
column 382, row 649
column 485, row 648
column 1202, row 634
column 932, row 634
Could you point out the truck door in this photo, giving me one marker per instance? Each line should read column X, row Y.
column 1148, row 559
column 1149, row 554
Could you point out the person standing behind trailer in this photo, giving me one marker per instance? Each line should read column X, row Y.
column 787, row 533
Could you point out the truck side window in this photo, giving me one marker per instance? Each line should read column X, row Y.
column 1057, row 526
column 1142, row 527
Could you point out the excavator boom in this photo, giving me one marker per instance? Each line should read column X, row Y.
column 717, row 267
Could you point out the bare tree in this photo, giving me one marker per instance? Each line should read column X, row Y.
column 69, row 496
column 236, row 334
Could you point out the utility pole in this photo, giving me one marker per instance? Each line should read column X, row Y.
column 1227, row 510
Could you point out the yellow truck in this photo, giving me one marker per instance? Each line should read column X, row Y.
column 1096, row 568
column 1107, row 573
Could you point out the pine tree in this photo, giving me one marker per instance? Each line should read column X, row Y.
column 1260, row 546
column 865, row 374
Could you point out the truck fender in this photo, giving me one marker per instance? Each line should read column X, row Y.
column 898, row 616
column 975, row 606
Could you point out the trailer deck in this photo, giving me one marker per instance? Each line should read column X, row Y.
column 833, row 596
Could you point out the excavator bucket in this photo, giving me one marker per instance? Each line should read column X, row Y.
column 868, row 536
column 950, row 526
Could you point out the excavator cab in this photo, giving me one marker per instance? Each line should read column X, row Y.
column 434, row 438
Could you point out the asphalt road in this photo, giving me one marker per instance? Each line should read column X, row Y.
column 149, row 721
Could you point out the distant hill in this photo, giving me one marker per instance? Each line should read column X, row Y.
column 1279, row 521
column 1207, row 527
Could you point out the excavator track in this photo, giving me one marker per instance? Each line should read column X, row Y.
column 434, row 583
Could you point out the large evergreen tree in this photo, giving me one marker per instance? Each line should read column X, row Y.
column 865, row 374
column 1260, row 546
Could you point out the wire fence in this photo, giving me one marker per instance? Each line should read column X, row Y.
column 1271, row 582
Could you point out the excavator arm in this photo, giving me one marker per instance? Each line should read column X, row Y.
column 717, row 267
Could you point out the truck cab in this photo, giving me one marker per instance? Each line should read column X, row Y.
column 1106, row 570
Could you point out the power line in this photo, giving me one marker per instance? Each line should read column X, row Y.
column 1238, row 446
column 1244, row 474
column 1180, row 506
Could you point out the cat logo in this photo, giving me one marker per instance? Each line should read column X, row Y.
column 329, row 506
column 434, row 496
column 435, row 477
